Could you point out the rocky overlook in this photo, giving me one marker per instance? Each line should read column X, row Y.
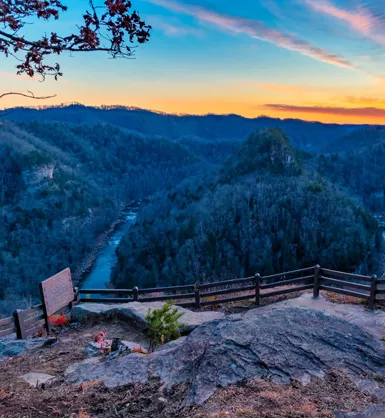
column 299, row 358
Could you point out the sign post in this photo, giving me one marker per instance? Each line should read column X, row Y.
column 56, row 292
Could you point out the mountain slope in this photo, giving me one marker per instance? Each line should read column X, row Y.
column 62, row 186
column 257, row 218
column 311, row 136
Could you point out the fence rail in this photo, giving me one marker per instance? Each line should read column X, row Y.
column 255, row 287
column 27, row 322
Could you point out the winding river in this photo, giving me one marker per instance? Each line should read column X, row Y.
column 99, row 275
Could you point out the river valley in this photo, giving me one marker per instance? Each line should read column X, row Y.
column 99, row 275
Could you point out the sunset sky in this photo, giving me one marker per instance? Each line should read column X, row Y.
column 310, row 59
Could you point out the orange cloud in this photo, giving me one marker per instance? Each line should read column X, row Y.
column 364, row 112
column 285, row 88
column 361, row 20
column 365, row 101
column 258, row 30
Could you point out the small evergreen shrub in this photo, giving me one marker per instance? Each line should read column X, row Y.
column 163, row 325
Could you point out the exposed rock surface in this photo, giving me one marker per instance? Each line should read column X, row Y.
column 12, row 348
column 37, row 379
column 373, row 411
column 136, row 312
column 372, row 321
column 285, row 344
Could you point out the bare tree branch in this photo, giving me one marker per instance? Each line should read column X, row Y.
column 30, row 95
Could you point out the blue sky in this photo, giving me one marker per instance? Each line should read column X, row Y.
column 311, row 59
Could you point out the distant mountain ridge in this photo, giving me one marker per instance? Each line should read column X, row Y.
column 311, row 136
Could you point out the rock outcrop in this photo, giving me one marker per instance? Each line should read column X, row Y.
column 136, row 312
column 284, row 344
column 12, row 348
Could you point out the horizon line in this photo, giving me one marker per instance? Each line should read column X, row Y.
column 160, row 112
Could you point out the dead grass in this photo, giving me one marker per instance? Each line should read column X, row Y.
column 264, row 399
column 254, row 399
column 338, row 298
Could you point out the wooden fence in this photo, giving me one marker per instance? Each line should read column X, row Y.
column 27, row 322
column 256, row 287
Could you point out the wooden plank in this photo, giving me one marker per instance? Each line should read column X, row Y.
column 342, row 274
column 286, row 291
column 345, row 283
column 32, row 310
column 224, row 291
column 234, row 299
column 380, row 291
column 33, row 320
column 6, row 321
column 106, row 300
column 380, row 281
column 57, row 292
column 226, row 283
column 287, row 282
column 6, row 332
column 106, row 291
column 32, row 331
column 344, row 292
column 168, row 297
column 166, row 289
column 272, row 276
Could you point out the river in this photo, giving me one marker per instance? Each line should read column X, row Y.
column 100, row 274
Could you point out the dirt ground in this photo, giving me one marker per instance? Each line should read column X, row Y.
column 257, row 399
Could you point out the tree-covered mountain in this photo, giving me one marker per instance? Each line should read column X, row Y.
column 311, row 136
column 63, row 185
column 361, row 170
column 220, row 207
column 358, row 139
column 261, row 212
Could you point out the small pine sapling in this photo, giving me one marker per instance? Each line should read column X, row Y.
column 163, row 325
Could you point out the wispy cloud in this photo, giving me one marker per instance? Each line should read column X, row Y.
column 329, row 110
column 362, row 19
column 258, row 30
column 173, row 27
column 285, row 88
column 372, row 101
column 172, row 30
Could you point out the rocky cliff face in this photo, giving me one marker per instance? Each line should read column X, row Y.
column 266, row 150
column 285, row 345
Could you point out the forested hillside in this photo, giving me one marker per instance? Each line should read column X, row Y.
column 312, row 136
column 219, row 207
column 61, row 186
column 359, row 166
column 263, row 212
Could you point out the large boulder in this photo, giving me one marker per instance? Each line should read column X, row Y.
column 285, row 344
column 136, row 312
column 12, row 348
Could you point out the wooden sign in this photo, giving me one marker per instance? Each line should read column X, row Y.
column 57, row 292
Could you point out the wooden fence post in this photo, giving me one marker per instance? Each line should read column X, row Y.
column 46, row 318
column 372, row 298
column 76, row 300
column 19, row 325
column 317, row 273
column 257, row 289
column 136, row 294
column 197, row 296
